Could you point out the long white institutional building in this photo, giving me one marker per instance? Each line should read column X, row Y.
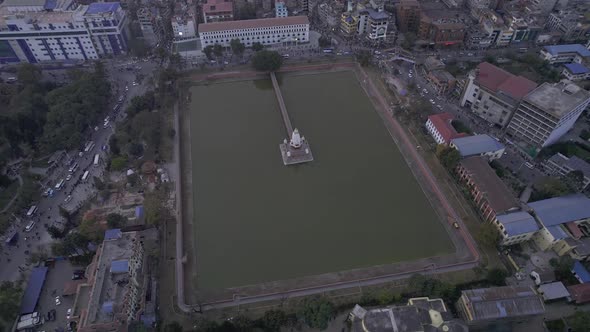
column 267, row 31
column 49, row 30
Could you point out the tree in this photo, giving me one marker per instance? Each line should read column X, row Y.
column 243, row 323
column 574, row 180
column 217, row 50
column 161, row 53
column 364, row 58
column 175, row 60
column 115, row 220
column 488, row 235
column 118, row 163
column 324, row 41
column 173, row 327
column 65, row 213
column 548, row 187
column 98, row 183
column 135, row 149
column 28, row 74
column 90, row 228
column 55, row 232
column 317, row 312
column 449, row 157
column 273, row 320
column 409, row 40
column 237, row 47
column 257, row 47
column 580, row 321
column 246, row 12
column 267, row 60
column 208, row 50
column 9, row 301
column 497, row 277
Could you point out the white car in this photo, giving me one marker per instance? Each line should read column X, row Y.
column 57, row 300
column 69, row 313
column 431, row 101
column 439, row 107
column 69, row 177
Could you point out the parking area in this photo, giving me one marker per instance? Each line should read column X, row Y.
column 59, row 279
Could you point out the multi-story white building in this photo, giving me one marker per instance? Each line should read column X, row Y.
column 515, row 227
column 576, row 72
column 494, row 94
column 547, row 113
column 183, row 26
column 267, row 31
column 45, row 30
column 561, row 54
column 571, row 23
column 373, row 23
column 281, row 9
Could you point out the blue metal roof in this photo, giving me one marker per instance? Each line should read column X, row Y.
column 33, row 290
column 120, row 266
column 569, row 48
column 139, row 212
column 581, row 272
column 50, row 4
column 559, row 210
column 476, row 145
column 107, row 307
column 517, row 223
column 577, row 68
column 102, row 7
column 112, row 234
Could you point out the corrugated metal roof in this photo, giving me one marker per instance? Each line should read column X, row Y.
column 102, row 7
column 581, row 273
column 554, row 290
column 580, row 292
column 517, row 223
column 112, row 234
column 502, row 302
column 476, row 145
column 559, row 210
column 107, row 307
column 121, row 266
column 34, row 287
column 569, row 48
column 495, row 191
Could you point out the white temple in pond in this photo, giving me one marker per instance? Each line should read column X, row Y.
column 296, row 139
column 296, row 150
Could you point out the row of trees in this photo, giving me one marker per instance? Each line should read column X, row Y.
column 140, row 135
column 314, row 313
